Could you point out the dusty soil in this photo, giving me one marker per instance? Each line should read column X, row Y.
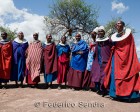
column 40, row 99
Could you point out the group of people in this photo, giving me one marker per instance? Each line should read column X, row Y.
column 108, row 65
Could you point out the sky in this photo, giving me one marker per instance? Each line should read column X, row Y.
column 28, row 15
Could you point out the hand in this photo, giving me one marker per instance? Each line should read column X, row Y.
column 79, row 52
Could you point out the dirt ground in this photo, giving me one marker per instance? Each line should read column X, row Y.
column 40, row 99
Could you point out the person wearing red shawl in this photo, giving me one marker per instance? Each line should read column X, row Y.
column 63, row 53
column 122, row 71
column 87, row 83
column 50, row 61
column 78, row 63
column 34, row 61
column 5, row 58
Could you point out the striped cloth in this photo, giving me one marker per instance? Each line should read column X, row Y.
column 34, row 59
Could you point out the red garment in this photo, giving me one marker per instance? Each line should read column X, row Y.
column 127, row 67
column 5, row 60
column 87, row 82
column 29, row 80
column 50, row 58
column 75, row 77
column 92, row 46
column 63, row 66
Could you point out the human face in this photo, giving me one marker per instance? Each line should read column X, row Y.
column 93, row 35
column 49, row 38
column 21, row 36
column 4, row 35
column 101, row 33
column 63, row 39
column 78, row 37
column 119, row 26
column 35, row 36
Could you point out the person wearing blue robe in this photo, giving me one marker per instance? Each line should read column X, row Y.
column 19, row 58
column 78, row 63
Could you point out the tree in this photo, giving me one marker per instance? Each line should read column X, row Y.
column 11, row 34
column 71, row 16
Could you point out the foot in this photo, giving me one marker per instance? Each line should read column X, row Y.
column 20, row 86
column 59, row 87
column 104, row 93
column 36, row 85
column 73, row 89
column 94, row 90
column 16, row 83
column 129, row 100
column 46, row 85
column 51, row 86
column 5, row 85
column 90, row 90
column 99, row 92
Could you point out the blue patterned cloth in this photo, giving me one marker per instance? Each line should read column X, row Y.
column 90, row 60
column 79, row 61
column 62, row 49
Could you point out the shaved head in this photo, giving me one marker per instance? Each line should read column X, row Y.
column 78, row 37
column 21, row 35
column 4, row 35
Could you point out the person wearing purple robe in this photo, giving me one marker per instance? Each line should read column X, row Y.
column 101, row 57
column 18, row 63
column 87, row 83
column 78, row 63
